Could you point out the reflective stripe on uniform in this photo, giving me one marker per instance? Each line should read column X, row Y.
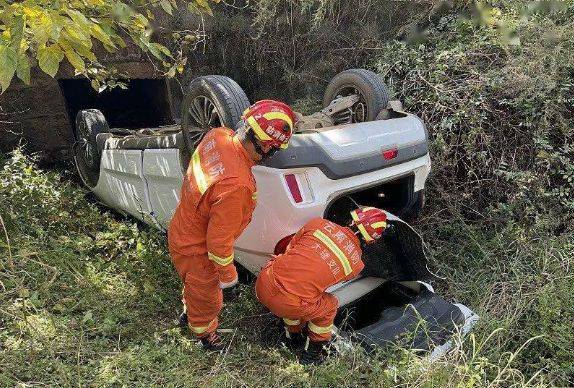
column 257, row 129
column 279, row 116
column 335, row 249
column 254, row 196
column 198, row 174
column 201, row 329
column 382, row 224
column 220, row 260
column 363, row 231
column 320, row 329
column 291, row 322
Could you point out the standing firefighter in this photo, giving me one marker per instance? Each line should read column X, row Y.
column 292, row 285
column 217, row 200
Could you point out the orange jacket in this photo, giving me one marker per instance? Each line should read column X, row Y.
column 217, row 200
column 320, row 255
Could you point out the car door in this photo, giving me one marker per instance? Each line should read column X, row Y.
column 122, row 182
column 163, row 174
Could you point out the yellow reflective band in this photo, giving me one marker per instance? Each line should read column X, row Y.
column 291, row 322
column 254, row 196
column 382, row 224
column 200, row 329
column 320, row 329
column 284, row 145
column 257, row 129
column 354, row 215
column 363, row 231
column 335, row 249
column 220, row 260
column 198, row 172
column 279, row 116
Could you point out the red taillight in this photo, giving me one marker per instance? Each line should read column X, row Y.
column 390, row 154
column 291, row 180
column 281, row 246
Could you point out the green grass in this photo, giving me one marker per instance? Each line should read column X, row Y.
column 90, row 299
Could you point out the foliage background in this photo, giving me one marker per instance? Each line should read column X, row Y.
column 89, row 298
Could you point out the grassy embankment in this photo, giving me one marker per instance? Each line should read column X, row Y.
column 87, row 298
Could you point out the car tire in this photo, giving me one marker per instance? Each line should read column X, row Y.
column 211, row 101
column 87, row 156
column 373, row 93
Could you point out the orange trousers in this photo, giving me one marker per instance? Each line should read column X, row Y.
column 317, row 314
column 201, row 293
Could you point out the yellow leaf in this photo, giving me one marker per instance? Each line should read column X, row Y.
column 97, row 32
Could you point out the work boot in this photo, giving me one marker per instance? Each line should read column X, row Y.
column 212, row 342
column 293, row 341
column 182, row 320
column 315, row 353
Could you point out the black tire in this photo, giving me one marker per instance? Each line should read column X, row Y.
column 211, row 101
column 373, row 93
column 89, row 123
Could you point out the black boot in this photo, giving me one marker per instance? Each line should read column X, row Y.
column 314, row 353
column 212, row 342
column 182, row 320
column 293, row 341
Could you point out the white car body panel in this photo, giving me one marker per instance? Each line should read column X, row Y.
column 163, row 173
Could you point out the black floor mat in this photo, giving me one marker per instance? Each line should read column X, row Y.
column 427, row 321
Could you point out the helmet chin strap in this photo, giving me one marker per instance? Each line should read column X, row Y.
column 264, row 155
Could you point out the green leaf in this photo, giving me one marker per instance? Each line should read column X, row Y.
column 95, row 84
column 16, row 32
column 74, row 59
column 23, row 68
column 81, row 47
column 165, row 4
column 49, row 58
column 8, row 62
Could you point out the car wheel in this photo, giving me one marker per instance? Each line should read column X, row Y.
column 211, row 101
column 372, row 91
column 89, row 123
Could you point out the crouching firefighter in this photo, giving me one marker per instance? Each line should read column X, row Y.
column 217, row 200
column 292, row 285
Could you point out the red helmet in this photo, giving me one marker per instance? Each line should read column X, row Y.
column 370, row 221
column 271, row 121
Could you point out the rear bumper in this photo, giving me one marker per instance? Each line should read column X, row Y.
column 271, row 222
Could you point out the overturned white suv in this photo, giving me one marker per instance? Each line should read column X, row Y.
column 360, row 149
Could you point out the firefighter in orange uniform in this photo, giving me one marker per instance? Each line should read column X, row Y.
column 292, row 285
column 217, row 200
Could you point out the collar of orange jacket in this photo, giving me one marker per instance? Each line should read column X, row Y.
column 243, row 152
